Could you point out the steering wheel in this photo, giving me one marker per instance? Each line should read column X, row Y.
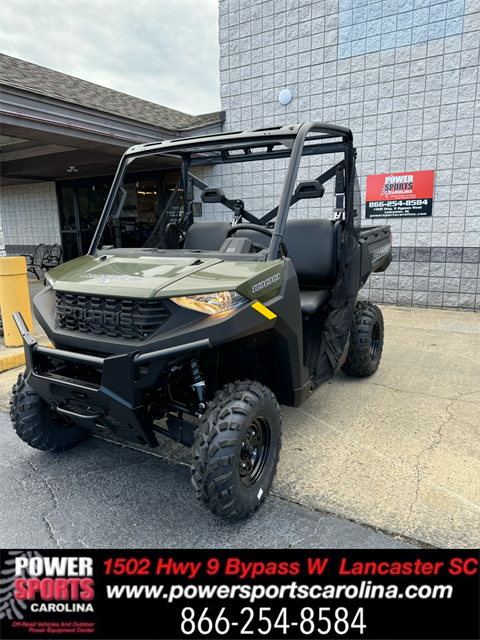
column 248, row 225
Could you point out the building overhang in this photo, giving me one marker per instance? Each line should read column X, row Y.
column 42, row 137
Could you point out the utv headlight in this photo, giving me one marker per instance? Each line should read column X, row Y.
column 212, row 303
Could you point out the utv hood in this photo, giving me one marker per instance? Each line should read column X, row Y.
column 148, row 277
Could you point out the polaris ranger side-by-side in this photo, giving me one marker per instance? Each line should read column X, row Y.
column 219, row 321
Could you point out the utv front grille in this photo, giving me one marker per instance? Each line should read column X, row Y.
column 113, row 317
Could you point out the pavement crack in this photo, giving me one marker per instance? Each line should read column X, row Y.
column 84, row 473
column 423, row 393
column 392, row 460
column 428, row 449
column 420, row 393
column 466, row 393
column 54, row 499
column 441, row 426
column 417, row 489
column 83, row 543
column 49, row 529
column 360, row 523
column 5, row 463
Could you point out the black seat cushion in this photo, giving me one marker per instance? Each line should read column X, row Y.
column 206, row 235
column 211, row 236
column 313, row 301
column 311, row 248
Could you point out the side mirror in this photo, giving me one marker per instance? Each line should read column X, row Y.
column 212, row 194
column 309, row 189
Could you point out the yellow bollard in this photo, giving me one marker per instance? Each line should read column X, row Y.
column 14, row 297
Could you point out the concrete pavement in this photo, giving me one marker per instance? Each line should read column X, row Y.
column 398, row 452
column 105, row 495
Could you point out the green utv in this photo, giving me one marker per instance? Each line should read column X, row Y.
column 199, row 334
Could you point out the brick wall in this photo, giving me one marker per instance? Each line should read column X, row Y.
column 403, row 75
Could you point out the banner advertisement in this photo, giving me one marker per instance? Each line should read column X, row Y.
column 395, row 195
column 130, row 206
column 135, row 594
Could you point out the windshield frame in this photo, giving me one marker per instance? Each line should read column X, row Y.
column 292, row 138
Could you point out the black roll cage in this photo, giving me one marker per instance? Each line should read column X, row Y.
column 225, row 148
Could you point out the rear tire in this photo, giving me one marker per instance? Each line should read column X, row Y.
column 236, row 449
column 37, row 424
column 366, row 341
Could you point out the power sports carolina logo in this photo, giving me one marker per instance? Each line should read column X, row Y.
column 40, row 584
column 391, row 195
column 10, row 607
column 397, row 185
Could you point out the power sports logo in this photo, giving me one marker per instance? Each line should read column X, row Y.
column 397, row 185
column 393, row 195
column 265, row 283
column 40, row 585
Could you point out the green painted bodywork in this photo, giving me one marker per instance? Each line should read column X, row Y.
column 148, row 277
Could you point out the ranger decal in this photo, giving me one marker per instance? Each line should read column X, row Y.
column 265, row 283
column 381, row 253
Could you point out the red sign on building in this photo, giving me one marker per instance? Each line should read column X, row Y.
column 395, row 195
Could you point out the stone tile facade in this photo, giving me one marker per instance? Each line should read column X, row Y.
column 29, row 215
column 410, row 107
column 378, row 25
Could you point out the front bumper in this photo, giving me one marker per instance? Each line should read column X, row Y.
column 113, row 400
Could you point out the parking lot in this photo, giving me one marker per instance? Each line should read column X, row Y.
column 386, row 461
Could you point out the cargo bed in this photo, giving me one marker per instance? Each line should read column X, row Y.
column 376, row 248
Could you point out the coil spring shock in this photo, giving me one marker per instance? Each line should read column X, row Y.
column 198, row 384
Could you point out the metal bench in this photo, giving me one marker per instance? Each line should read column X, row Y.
column 44, row 258
column 52, row 257
column 36, row 260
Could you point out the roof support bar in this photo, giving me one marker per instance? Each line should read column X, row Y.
column 325, row 177
column 291, row 177
column 227, row 202
column 310, row 150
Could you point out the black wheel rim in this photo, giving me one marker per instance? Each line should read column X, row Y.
column 374, row 340
column 254, row 451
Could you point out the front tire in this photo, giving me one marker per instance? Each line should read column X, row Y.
column 366, row 341
column 37, row 424
column 236, row 449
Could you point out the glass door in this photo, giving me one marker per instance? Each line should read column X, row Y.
column 140, row 211
column 91, row 201
column 80, row 211
column 69, row 227
column 81, row 203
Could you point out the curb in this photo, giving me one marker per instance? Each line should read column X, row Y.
column 15, row 360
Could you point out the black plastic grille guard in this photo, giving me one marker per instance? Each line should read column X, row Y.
column 130, row 319
column 118, row 399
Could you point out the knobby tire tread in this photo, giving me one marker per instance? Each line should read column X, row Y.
column 359, row 363
column 214, row 452
column 30, row 415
